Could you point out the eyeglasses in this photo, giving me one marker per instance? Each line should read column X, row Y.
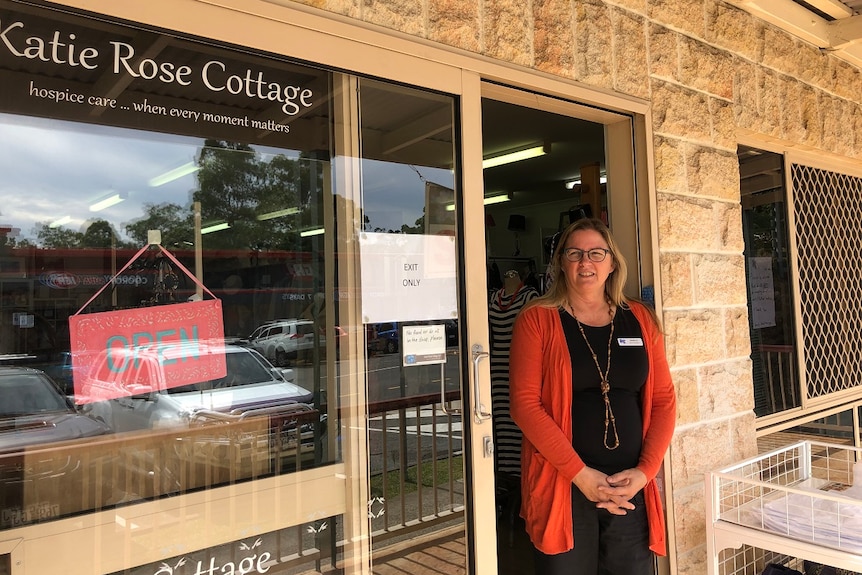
column 595, row 254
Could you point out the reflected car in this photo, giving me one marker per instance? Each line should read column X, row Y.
column 43, row 476
column 33, row 410
column 251, row 385
column 385, row 338
column 254, row 409
column 281, row 341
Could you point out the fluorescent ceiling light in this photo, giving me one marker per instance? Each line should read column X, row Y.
column 215, row 228
column 61, row 222
column 174, row 174
column 516, row 156
column 314, row 232
column 498, row 199
column 577, row 182
column 278, row 214
column 107, row 202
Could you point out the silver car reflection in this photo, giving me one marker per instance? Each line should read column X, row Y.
column 251, row 386
column 33, row 410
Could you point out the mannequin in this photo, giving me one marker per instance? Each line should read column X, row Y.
column 503, row 309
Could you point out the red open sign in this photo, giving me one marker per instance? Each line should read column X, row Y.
column 138, row 351
column 135, row 351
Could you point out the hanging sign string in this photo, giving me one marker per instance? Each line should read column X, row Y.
column 136, row 256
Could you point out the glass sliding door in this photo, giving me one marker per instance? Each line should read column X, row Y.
column 407, row 236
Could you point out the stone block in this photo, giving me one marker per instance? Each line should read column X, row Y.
column 685, row 15
column 694, row 336
column 743, row 436
column 846, row 79
column 698, row 449
column 730, row 234
column 508, row 27
column 734, row 30
column 723, row 124
column 455, row 23
column 663, row 53
column 772, row 102
column 745, row 95
column 725, row 389
column 692, row 562
column 813, row 66
column 680, row 112
column 630, row 54
column 670, row 165
column 706, row 68
column 553, row 38
column 676, row 274
column 718, row 279
column 689, row 514
column 837, row 126
column 594, row 44
column 688, row 223
column 779, row 51
column 687, row 396
column 737, row 331
column 402, row 15
column 810, row 117
column 712, row 173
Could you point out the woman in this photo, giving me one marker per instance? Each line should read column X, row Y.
column 592, row 393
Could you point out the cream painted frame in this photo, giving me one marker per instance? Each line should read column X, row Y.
column 303, row 33
column 795, row 153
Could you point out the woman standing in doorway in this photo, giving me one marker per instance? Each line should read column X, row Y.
column 592, row 392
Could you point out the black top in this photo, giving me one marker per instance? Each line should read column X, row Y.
column 628, row 373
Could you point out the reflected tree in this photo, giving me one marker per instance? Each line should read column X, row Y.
column 57, row 237
column 175, row 222
column 262, row 201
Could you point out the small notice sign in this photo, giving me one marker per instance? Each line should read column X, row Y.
column 424, row 344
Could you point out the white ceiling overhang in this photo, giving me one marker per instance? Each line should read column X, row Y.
column 839, row 32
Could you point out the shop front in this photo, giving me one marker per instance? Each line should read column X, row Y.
column 244, row 284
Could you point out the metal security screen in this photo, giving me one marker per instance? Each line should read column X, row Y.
column 828, row 225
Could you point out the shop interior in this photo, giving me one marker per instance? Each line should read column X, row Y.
column 528, row 201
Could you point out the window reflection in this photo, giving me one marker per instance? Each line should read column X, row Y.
column 233, row 215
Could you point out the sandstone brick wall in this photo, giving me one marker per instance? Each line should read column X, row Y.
column 708, row 69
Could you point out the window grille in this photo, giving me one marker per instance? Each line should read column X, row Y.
column 828, row 226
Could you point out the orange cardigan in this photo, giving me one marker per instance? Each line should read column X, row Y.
column 540, row 379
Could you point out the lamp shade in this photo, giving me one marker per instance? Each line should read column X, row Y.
column 517, row 223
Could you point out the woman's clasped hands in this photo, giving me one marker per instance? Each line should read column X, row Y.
column 611, row 492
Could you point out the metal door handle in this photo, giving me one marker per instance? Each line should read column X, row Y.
column 479, row 412
column 444, row 404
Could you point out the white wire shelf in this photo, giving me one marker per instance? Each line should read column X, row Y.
column 800, row 501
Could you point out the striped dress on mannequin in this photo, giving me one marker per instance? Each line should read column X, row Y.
column 504, row 307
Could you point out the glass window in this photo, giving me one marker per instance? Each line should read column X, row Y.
column 143, row 174
column 770, row 294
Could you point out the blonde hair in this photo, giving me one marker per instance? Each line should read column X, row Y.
column 557, row 295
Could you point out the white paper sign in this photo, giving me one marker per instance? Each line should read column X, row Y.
column 424, row 344
column 761, row 292
column 407, row 277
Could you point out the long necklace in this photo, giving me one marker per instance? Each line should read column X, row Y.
column 605, row 385
column 511, row 301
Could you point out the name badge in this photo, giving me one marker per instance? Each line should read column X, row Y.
column 630, row 342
